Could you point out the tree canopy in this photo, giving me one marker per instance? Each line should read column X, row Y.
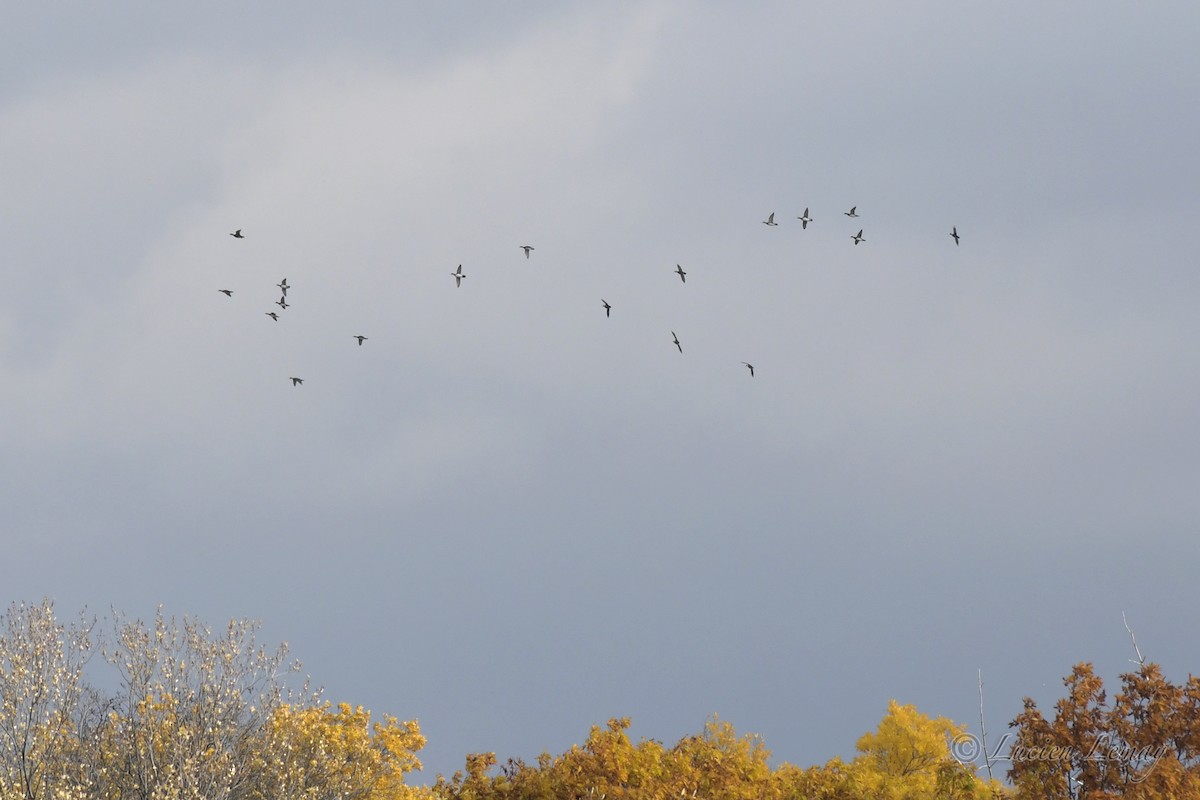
column 198, row 714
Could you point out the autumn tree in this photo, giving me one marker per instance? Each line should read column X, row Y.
column 198, row 715
column 41, row 691
column 720, row 763
column 1144, row 745
column 834, row 780
column 191, row 708
column 907, row 757
column 310, row 752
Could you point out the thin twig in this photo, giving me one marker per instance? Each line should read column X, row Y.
column 1140, row 660
column 983, row 730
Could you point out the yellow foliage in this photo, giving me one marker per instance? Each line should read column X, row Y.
column 908, row 758
column 313, row 751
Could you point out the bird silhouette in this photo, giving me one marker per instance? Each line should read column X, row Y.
column 607, row 307
column 804, row 220
column 458, row 276
column 361, row 339
column 954, row 233
column 677, row 344
column 750, row 367
column 226, row 292
column 771, row 220
column 852, row 213
column 273, row 315
column 858, row 237
column 282, row 302
column 237, row 234
column 681, row 273
column 526, row 248
column 297, row 381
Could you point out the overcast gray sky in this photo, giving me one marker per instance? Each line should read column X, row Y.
column 512, row 518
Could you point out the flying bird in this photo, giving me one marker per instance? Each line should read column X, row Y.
column 858, row 237
column 677, row 344
column 607, row 307
column 273, row 315
column 297, row 381
column 681, row 273
column 954, row 233
column 237, row 234
column 226, row 292
column 804, row 220
column 361, row 339
column 283, row 284
column 282, row 302
column 458, row 276
column 771, row 220
column 526, row 248
column 750, row 367
column 852, row 212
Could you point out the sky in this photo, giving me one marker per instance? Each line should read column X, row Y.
column 511, row 517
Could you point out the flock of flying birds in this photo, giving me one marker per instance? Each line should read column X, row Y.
column 458, row 276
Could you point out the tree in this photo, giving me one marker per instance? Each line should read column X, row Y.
column 314, row 752
column 719, row 763
column 908, row 756
column 198, row 716
column 41, row 688
column 1144, row 746
column 191, row 710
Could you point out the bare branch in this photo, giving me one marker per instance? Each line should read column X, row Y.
column 1141, row 661
column 983, row 730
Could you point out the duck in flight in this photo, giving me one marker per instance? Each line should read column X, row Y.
column 458, row 276
column 526, row 248
column 954, row 233
column 282, row 302
column 858, row 237
column 283, row 284
column 804, row 220
column 297, row 381
column 273, row 315
column 771, row 220
column 749, row 366
column 237, row 234
column 361, row 339
column 852, row 213
column 682, row 275
column 677, row 344
column 607, row 307
column 226, row 292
